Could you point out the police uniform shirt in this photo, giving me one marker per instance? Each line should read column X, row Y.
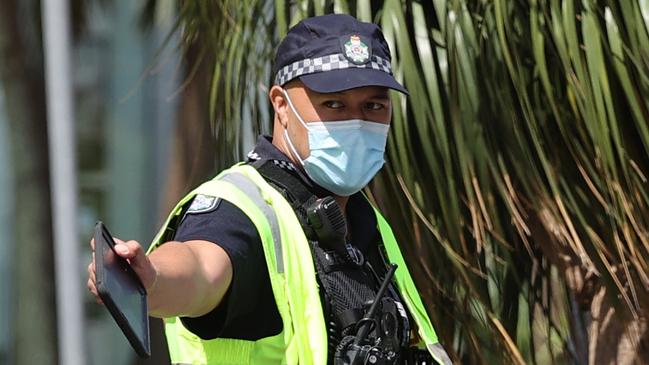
column 248, row 310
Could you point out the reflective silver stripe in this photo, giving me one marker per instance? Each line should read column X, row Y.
column 243, row 183
column 439, row 354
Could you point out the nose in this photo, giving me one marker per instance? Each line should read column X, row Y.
column 357, row 112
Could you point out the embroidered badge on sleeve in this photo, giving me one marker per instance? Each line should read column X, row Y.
column 203, row 204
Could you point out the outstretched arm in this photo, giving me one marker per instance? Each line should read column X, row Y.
column 181, row 278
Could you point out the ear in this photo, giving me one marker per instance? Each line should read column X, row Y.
column 280, row 105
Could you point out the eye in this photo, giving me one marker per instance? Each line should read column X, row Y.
column 374, row 106
column 333, row 104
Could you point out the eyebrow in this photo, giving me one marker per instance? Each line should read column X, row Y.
column 381, row 95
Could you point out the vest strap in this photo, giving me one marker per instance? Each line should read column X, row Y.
column 438, row 352
column 252, row 191
column 296, row 191
column 291, row 188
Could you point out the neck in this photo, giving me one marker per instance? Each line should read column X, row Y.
column 342, row 203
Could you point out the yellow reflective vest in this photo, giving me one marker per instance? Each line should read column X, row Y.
column 303, row 339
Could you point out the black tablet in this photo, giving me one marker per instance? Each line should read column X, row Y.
column 122, row 292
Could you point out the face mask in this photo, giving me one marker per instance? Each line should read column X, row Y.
column 344, row 155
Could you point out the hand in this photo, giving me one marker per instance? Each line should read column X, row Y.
column 135, row 255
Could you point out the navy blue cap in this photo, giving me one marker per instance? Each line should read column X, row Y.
column 335, row 52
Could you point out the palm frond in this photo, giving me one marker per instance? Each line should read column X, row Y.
column 517, row 168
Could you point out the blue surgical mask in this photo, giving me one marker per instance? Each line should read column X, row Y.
column 344, row 155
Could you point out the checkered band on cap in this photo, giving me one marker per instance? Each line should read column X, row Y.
column 327, row 63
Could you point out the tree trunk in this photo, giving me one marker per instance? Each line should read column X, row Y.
column 192, row 161
column 22, row 80
column 194, row 145
column 614, row 337
column 603, row 333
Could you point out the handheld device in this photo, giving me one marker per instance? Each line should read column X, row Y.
column 122, row 292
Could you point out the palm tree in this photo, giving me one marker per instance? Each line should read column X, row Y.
column 517, row 168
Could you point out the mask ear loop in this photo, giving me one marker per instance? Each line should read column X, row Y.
column 290, row 104
column 286, row 137
column 290, row 145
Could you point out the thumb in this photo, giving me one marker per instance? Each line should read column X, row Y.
column 130, row 250
column 138, row 260
column 122, row 249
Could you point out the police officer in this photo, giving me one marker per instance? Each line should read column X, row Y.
column 281, row 259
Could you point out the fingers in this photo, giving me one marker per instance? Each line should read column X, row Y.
column 134, row 253
column 91, row 272
column 92, row 281
column 130, row 250
column 93, row 289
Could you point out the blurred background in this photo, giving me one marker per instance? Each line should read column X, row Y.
column 126, row 107
column 516, row 175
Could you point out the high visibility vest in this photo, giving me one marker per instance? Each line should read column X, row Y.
column 303, row 339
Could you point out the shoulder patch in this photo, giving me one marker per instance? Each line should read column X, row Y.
column 203, row 204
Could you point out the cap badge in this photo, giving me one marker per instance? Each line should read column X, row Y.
column 356, row 51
